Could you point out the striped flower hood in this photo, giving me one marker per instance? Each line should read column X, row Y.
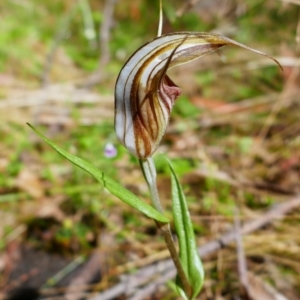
column 145, row 95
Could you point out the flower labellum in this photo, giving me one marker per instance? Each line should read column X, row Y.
column 145, row 95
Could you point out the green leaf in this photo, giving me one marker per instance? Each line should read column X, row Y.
column 112, row 186
column 188, row 252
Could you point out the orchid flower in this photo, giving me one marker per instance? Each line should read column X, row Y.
column 145, row 94
column 144, row 98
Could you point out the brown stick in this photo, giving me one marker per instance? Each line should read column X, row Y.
column 105, row 29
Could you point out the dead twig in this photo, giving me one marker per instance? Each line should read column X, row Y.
column 287, row 92
column 104, row 38
column 60, row 35
column 242, row 265
column 240, row 182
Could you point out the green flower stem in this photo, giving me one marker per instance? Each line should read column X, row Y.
column 149, row 171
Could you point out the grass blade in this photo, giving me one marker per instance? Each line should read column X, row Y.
column 112, row 186
column 188, row 252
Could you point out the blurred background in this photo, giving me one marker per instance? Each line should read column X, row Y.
column 234, row 139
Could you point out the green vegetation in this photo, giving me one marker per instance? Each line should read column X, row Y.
column 222, row 146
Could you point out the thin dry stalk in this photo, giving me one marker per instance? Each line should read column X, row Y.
column 242, row 265
column 282, row 100
column 105, row 29
column 286, row 93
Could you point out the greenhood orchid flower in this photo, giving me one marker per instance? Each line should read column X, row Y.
column 145, row 95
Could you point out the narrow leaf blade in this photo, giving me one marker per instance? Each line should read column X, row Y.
column 188, row 252
column 112, row 186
